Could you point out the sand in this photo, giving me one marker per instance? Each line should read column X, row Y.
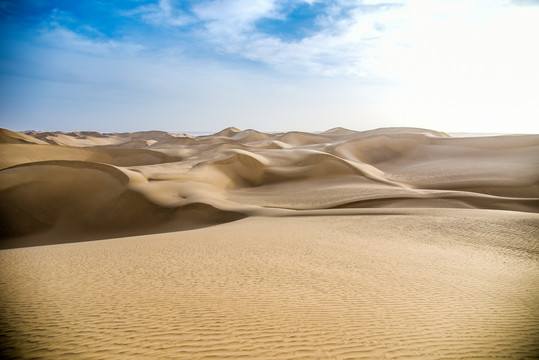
column 391, row 243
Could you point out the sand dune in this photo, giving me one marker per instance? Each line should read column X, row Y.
column 392, row 243
column 99, row 184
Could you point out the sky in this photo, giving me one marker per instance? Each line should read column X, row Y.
column 270, row 65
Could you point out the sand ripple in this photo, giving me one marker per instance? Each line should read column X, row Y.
column 459, row 284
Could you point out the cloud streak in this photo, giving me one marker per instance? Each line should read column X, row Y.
column 161, row 14
column 343, row 35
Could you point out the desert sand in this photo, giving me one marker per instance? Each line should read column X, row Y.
column 390, row 243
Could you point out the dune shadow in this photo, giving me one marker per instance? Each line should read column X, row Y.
column 189, row 217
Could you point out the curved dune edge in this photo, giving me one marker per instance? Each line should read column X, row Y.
column 85, row 185
column 58, row 201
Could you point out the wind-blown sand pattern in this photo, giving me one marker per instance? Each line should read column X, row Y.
column 391, row 243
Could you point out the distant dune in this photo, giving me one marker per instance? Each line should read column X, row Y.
column 396, row 243
column 62, row 187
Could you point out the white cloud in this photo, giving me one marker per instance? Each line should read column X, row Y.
column 62, row 37
column 236, row 11
column 161, row 14
column 341, row 45
column 336, row 48
column 370, row 39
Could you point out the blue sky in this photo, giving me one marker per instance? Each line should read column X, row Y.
column 272, row 65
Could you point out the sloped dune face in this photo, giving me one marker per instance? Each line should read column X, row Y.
column 68, row 186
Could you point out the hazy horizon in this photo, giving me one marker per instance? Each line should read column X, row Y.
column 205, row 133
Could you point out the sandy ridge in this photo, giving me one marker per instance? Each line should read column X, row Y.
column 245, row 173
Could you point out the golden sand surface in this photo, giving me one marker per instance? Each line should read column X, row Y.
column 391, row 243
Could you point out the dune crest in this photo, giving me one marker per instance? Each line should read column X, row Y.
column 97, row 185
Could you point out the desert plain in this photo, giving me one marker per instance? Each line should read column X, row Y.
column 395, row 243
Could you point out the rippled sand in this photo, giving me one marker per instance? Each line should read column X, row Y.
column 394, row 243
